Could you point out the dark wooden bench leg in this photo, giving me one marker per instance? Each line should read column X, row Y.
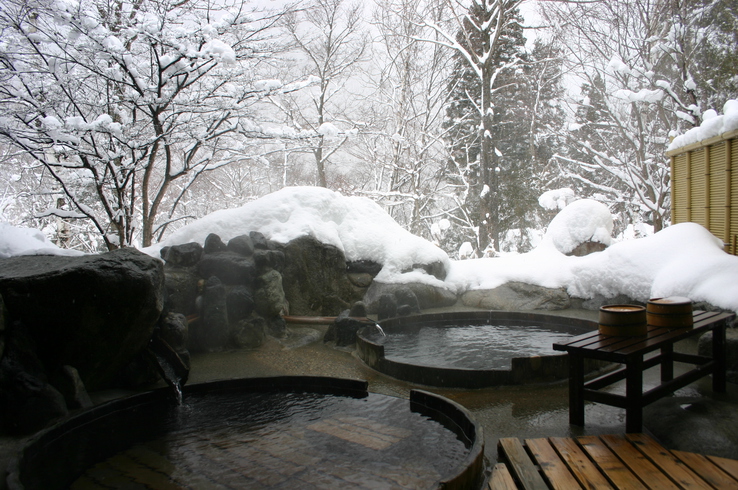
column 667, row 363
column 634, row 395
column 719, row 355
column 576, row 390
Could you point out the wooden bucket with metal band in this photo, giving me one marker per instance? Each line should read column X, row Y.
column 623, row 320
column 671, row 312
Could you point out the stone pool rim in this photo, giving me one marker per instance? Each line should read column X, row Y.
column 40, row 459
column 524, row 370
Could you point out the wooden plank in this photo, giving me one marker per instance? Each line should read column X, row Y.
column 707, row 470
column 644, row 469
column 673, row 467
column 501, row 479
column 730, row 466
column 579, row 464
column 520, row 465
column 554, row 469
column 610, row 465
column 598, row 342
column 665, row 337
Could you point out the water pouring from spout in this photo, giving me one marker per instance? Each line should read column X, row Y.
column 171, row 366
column 379, row 327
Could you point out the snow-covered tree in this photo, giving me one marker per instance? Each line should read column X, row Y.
column 120, row 101
column 641, row 61
column 714, row 28
column 523, row 132
column 329, row 39
column 400, row 142
column 480, row 32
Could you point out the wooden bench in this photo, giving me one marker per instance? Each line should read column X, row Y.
column 631, row 461
column 631, row 353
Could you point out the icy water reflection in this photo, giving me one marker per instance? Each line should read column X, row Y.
column 286, row 440
column 469, row 346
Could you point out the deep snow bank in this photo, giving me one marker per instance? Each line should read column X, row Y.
column 357, row 226
column 682, row 260
column 16, row 241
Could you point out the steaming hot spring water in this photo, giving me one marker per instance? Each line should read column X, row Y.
column 280, row 432
column 469, row 346
column 311, row 432
column 470, row 349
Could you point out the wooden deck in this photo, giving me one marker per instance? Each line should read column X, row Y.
column 631, row 461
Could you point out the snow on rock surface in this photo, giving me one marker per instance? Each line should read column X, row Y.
column 357, row 226
column 556, row 199
column 27, row 241
column 581, row 221
column 681, row 260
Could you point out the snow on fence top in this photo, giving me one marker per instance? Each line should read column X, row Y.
column 712, row 125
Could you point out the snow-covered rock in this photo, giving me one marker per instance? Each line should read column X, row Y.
column 357, row 226
column 28, row 241
column 580, row 222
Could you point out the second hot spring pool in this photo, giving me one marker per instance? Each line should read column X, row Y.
column 471, row 349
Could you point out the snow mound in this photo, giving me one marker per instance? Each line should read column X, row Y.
column 556, row 199
column 712, row 125
column 681, row 260
column 581, row 221
column 27, row 241
column 357, row 226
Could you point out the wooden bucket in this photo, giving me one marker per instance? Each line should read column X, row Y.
column 671, row 312
column 623, row 320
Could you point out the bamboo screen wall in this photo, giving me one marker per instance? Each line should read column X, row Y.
column 704, row 186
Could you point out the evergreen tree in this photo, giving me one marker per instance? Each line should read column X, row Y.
column 502, row 195
column 545, row 138
column 716, row 56
column 593, row 135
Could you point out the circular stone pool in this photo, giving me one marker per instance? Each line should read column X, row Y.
column 471, row 349
column 282, row 432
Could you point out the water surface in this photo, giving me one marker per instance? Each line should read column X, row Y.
column 469, row 346
column 286, row 440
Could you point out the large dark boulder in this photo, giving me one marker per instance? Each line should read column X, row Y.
column 427, row 296
column 185, row 255
column 242, row 245
column 315, row 279
column 259, row 240
column 343, row 330
column 212, row 332
column 250, row 332
column 240, row 303
column 230, row 267
column 269, row 297
column 181, row 285
column 27, row 401
column 213, row 244
column 514, row 296
column 93, row 312
column 386, row 306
